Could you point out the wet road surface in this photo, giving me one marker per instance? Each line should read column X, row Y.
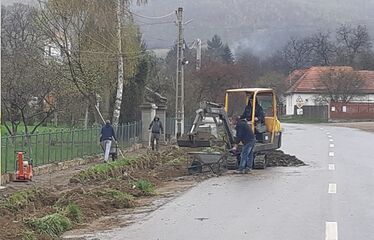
column 332, row 198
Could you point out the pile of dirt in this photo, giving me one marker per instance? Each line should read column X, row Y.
column 278, row 158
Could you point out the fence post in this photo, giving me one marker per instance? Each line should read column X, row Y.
column 49, row 146
column 43, row 140
column 83, row 149
column 91, row 144
column 127, row 133
column 72, row 144
column 61, row 144
column 56, row 147
column 36, row 148
column 123, row 134
column 6, row 154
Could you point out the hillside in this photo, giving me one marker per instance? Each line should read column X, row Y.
column 262, row 25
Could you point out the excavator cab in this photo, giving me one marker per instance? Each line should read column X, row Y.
column 260, row 108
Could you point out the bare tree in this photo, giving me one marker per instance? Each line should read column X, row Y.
column 323, row 49
column 352, row 41
column 297, row 53
column 26, row 84
column 341, row 85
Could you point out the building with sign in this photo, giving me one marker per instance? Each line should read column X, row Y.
column 306, row 89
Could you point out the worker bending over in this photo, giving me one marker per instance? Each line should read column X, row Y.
column 244, row 134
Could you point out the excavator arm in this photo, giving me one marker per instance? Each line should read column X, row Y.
column 196, row 139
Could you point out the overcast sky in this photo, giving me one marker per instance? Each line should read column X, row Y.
column 261, row 25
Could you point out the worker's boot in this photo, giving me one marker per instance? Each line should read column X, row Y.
column 239, row 171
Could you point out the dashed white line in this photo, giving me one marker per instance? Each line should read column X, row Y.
column 331, row 154
column 328, row 133
column 331, row 140
column 331, row 167
column 332, row 145
column 331, row 231
column 332, row 187
column 329, row 136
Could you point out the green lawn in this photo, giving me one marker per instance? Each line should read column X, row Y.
column 40, row 129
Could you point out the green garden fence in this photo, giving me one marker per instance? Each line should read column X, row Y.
column 61, row 145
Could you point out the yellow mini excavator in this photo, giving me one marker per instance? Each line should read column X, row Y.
column 237, row 102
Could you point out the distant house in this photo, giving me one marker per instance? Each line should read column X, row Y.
column 306, row 89
column 53, row 51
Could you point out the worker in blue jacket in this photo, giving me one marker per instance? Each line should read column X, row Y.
column 244, row 134
column 107, row 136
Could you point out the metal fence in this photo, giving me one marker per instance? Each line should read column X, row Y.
column 170, row 125
column 61, row 145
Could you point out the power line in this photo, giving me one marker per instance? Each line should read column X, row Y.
column 151, row 17
column 158, row 23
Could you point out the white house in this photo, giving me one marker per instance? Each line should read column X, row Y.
column 306, row 89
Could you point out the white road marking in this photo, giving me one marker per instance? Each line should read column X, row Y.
column 328, row 133
column 332, row 187
column 331, row 167
column 321, row 128
column 331, row 140
column 331, row 154
column 331, row 231
column 329, row 136
column 332, row 145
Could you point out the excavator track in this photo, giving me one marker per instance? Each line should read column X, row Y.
column 232, row 163
column 259, row 161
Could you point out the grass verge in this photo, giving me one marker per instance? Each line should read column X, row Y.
column 52, row 225
column 19, row 200
column 116, row 198
column 146, row 187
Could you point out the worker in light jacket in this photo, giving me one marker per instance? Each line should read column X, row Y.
column 156, row 129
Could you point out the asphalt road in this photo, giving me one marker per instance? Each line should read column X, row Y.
column 331, row 198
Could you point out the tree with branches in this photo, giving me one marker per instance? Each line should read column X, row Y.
column 352, row 43
column 341, row 85
column 27, row 85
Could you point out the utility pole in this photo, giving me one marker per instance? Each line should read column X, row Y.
column 118, row 102
column 1, row 187
column 179, row 100
column 198, row 55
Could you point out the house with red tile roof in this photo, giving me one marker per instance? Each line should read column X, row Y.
column 307, row 89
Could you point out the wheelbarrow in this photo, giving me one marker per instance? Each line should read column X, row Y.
column 113, row 153
column 206, row 161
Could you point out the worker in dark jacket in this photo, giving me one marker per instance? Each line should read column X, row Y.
column 244, row 134
column 259, row 116
column 259, row 112
column 156, row 129
column 106, row 138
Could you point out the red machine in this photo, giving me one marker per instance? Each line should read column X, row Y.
column 24, row 168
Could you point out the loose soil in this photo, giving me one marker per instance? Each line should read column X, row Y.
column 97, row 189
column 104, row 192
column 278, row 158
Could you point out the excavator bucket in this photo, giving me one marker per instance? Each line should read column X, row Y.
column 199, row 139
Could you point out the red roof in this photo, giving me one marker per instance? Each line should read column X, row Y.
column 309, row 80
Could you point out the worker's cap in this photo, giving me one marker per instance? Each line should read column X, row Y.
column 107, row 121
